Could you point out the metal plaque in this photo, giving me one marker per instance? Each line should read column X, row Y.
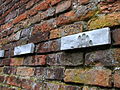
column 86, row 39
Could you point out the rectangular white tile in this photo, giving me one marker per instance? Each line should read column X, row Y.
column 2, row 53
column 24, row 49
column 86, row 39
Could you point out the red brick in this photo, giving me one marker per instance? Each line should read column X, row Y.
column 107, row 7
column 83, row 1
column 25, row 71
column 31, row 3
column 31, row 12
column 20, row 18
column 53, row 2
column 40, row 59
column 12, row 80
column 39, row 36
column 66, row 18
column 7, row 26
column 42, row 6
column 27, row 84
column 117, row 77
column 63, row 6
column 45, row 26
column 16, row 61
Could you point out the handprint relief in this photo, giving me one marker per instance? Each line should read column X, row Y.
column 84, row 41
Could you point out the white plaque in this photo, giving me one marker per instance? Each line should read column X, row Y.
column 24, row 49
column 86, row 39
column 2, row 53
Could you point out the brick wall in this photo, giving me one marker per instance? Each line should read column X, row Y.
column 39, row 49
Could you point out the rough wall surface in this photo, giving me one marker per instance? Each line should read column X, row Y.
column 31, row 34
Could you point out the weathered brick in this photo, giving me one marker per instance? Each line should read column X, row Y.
column 53, row 2
column 12, row 80
column 11, row 16
column 60, row 86
column 108, row 20
column 65, row 58
column 49, row 46
column 94, row 76
column 83, row 1
column 55, row 73
column 22, row 41
column 25, row 71
column 39, row 86
column 42, row 6
column 2, row 79
column 29, row 60
column 109, row 6
column 66, row 30
column 26, row 32
column 31, row 3
column 16, row 61
column 32, row 20
column 14, row 37
column 45, row 26
column 7, row 26
column 40, row 72
column 40, row 60
column 35, row 60
column 89, row 88
column 38, row 37
column 116, row 36
column 63, row 6
column 116, row 77
column 48, row 13
column 108, row 57
column 9, row 70
column 1, row 70
column 27, row 84
column 66, row 18
column 20, row 18
column 5, row 61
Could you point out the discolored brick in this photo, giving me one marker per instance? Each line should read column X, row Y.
column 116, row 36
column 55, row 73
column 25, row 71
column 65, row 58
column 63, row 6
column 108, row 57
column 116, row 77
column 93, row 76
